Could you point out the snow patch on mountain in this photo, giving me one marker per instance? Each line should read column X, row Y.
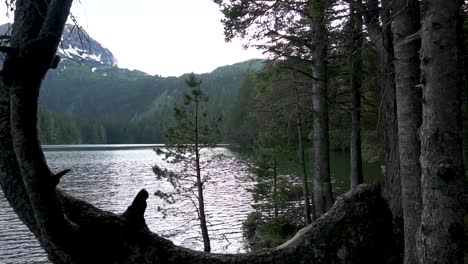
column 74, row 51
column 78, row 46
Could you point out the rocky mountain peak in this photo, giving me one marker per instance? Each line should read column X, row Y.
column 78, row 46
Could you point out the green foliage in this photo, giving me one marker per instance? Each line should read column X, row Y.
column 271, row 112
column 132, row 106
column 54, row 129
column 268, row 233
column 269, row 144
column 263, row 171
column 240, row 121
column 277, row 231
column 267, row 98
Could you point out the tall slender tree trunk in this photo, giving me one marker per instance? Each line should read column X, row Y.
column 463, row 44
column 381, row 36
column 441, row 232
column 323, row 196
column 406, row 46
column 389, row 114
column 201, row 200
column 355, row 85
column 275, row 182
column 302, row 164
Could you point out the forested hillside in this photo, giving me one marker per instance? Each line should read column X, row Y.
column 89, row 99
column 130, row 106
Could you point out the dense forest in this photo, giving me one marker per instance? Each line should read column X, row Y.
column 85, row 105
column 379, row 79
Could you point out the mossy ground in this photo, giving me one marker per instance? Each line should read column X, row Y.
column 269, row 232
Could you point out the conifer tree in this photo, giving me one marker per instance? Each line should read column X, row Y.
column 190, row 131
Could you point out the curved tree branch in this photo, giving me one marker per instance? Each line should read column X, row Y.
column 10, row 177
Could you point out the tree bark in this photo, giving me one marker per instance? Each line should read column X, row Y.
column 380, row 34
column 302, row 164
column 355, row 62
column 463, row 44
column 323, row 196
column 10, row 177
column 441, row 232
column 35, row 37
column 406, row 25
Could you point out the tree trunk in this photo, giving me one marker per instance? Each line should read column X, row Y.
column 10, row 177
column 275, row 182
column 441, row 233
column 201, row 200
column 302, row 164
column 323, row 196
column 201, row 212
column 463, row 44
column 355, row 85
column 381, row 37
column 35, row 37
column 392, row 171
column 406, row 46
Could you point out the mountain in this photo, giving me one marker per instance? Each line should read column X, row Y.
column 131, row 105
column 78, row 46
column 89, row 99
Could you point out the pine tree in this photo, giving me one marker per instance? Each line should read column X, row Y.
column 190, row 131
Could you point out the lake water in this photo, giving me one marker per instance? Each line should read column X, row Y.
column 110, row 176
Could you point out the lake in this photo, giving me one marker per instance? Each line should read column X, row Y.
column 109, row 176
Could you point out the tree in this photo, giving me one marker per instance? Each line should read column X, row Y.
column 190, row 132
column 284, row 88
column 308, row 212
column 29, row 185
column 294, row 30
column 441, row 231
column 266, row 149
column 323, row 196
column 355, row 81
column 376, row 19
column 406, row 45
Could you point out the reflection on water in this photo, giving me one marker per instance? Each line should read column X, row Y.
column 110, row 179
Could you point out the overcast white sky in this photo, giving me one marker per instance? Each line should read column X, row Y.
column 165, row 37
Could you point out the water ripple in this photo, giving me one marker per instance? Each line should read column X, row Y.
column 110, row 179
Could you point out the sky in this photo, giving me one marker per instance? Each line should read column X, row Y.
column 164, row 37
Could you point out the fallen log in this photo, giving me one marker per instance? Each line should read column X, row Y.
column 357, row 229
